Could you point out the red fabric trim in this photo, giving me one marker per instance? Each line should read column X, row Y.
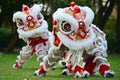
column 103, row 68
column 69, row 67
column 79, row 69
column 64, row 55
column 56, row 40
column 17, row 64
column 35, row 41
column 89, row 66
column 42, row 71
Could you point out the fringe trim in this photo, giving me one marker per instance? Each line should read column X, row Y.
column 76, row 45
column 99, row 57
column 34, row 32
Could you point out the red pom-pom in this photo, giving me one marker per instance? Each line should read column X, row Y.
column 77, row 10
column 72, row 4
column 25, row 7
column 54, row 22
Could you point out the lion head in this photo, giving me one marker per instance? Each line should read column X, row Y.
column 30, row 21
column 72, row 26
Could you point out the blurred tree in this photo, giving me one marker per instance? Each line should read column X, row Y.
column 7, row 9
column 104, row 11
column 118, row 27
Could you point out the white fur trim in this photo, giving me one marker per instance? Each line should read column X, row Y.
column 85, row 74
column 46, row 59
column 76, row 45
column 51, row 38
column 37, row 7
column 81, row 66
column 97, row 49
column 99, row 57
column 34, row 32
column 19, row 65
column 44, row 67
column 74, row 56
column 53, row 48
column 98, row 31
column 35, row 10
column 19, row 15
column 77, row 75
column 100, row 50
column 98, row 67
column 103, row 42
column 108, row 71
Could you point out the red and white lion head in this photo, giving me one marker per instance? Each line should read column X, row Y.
column 72, row 26
column 30, row 21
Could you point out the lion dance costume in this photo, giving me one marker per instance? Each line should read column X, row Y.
column 33, row 29
column 78, row 40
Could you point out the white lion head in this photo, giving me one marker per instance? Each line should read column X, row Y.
column 71, row 25
column 30, row 21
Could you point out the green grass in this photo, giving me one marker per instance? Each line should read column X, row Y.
column 26, row 73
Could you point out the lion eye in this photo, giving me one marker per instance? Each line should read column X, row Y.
column 66, row 27
column 19, row 22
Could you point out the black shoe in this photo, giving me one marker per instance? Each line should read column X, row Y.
column 64, row 73
column 109, row 75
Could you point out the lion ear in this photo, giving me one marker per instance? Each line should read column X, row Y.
column 41, row 6
column 18, row 15
column 89, row 15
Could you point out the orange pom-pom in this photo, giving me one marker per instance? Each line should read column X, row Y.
column 72, row 4
column 25, row 7
column 77, row 10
